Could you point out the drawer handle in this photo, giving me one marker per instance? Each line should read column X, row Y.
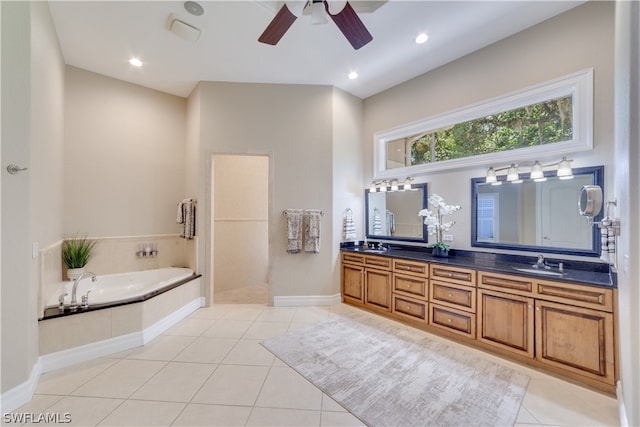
column 449, row 320
column 408, row 307
column 449, row 275
column 450, row 295
column 408, row 286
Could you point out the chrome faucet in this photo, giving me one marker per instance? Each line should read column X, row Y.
column 73, row 306
column 541, row 264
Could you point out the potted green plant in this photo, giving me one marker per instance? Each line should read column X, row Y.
column 76, row 252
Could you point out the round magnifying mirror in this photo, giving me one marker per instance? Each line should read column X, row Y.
column 590, row 200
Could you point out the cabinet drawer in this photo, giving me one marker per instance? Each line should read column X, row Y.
column 378, row 262
column 455, row 296
column 581, row 295
column 408, row 307
column 452, row 320
column 352, row 258
column 411, row 267
column 413, row 286
column 504, row 282
column 461, row 276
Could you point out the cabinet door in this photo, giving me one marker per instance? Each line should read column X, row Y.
column 353, row 283
column 378, row 288
column 506, row 321
column 576, row 339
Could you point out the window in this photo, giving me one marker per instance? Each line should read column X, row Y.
column 487, row 217
column 551, row 118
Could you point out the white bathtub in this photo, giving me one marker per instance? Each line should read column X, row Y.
column 117, row 289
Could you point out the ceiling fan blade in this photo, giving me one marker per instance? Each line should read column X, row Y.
column 351, row 26
column 278, row 26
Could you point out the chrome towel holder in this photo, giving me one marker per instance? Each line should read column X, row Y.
column 14, row 169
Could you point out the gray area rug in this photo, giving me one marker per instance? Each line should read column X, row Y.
column 390, row 375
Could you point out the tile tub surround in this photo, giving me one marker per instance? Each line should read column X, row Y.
column 114, row 255
column 70, row 339
column 200, row 372
column 585, row 272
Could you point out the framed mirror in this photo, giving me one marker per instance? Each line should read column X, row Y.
column 535, row 216
column 393, row 215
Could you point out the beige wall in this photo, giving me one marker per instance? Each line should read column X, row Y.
column 240, row 221
column 347, row 187
column 32, row 136
column 293, row 124
column 576, row 40
column 627, row 192
column 124, row 157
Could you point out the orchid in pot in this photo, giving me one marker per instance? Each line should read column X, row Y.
column 434, row 219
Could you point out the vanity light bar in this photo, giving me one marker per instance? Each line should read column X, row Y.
column 536, row 172
column 390, row 185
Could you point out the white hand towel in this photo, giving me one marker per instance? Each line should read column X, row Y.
column 312, row 219
column 294, row 230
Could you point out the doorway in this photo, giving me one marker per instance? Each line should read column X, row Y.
column 240, row 228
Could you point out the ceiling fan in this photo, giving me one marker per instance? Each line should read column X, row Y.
column 340, row 12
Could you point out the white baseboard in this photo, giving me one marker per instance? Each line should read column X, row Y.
column 21, row 394
column 163, row 324
column 622, row 411
column 294, row 301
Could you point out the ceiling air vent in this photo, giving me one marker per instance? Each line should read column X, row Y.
column 183, row 29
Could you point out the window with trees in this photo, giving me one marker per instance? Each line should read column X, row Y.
column 553, row 117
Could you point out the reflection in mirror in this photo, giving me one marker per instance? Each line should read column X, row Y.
column 394, row 215
column 535, row 216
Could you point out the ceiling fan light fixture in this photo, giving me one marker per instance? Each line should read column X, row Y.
column 296, row 7
column 336, row 6
column 318, row 13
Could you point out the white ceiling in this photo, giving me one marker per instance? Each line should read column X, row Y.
column 101, row 36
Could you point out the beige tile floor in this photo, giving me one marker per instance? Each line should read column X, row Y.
column 210, row 370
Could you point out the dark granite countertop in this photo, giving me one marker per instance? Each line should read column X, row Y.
column 584, row 272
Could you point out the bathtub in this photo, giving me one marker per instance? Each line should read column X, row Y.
column 125, row 311
column 118, row 289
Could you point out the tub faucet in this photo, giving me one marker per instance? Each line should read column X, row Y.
column 73, row 306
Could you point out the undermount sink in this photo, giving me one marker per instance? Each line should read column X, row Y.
column 372, row 251
column 539, row 272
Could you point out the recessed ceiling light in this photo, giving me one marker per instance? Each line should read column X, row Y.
column 422, row 38
column 353, row 75
column 135, row 62
column 194, row 8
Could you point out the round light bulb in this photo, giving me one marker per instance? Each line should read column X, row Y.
column 422, row 38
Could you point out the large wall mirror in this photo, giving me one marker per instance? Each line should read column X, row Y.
column 393, row 215
column 535, row 216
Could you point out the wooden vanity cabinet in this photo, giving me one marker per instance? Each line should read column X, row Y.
column 506, row 321
column 366, row 280
column 567, row 327
column 352, row 272
column 452, row 300
column 410, row 290
column 564, row 328
column 377, row 289
column 575, row 332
